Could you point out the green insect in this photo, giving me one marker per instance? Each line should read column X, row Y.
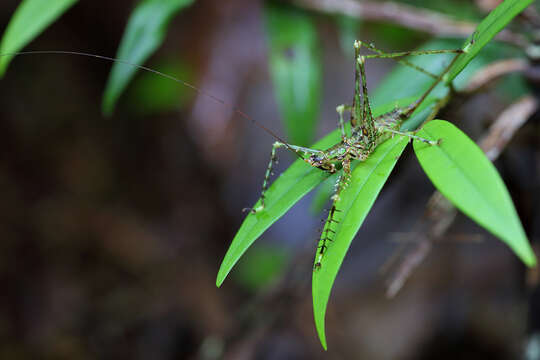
column 367, row 132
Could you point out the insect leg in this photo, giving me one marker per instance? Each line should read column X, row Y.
column 273, row 159
column 368, row 123
column 400, row 61
column 417, row 103
column 438, row 78
column 328, row 230
column 326, row 236
column 340, row 110
column 356, row 111
column 384, row 55
column 410, row 135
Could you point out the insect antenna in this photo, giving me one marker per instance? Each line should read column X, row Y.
column 199, row 91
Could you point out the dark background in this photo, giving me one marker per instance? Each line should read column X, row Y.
column 112, row 229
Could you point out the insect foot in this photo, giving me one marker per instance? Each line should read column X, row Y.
column 254, row 210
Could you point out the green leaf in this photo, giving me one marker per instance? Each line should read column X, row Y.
column 261, row 266
column 354, row 204
column 348, row 29
column 485, row 31
column 144, row 33
column 460, row 171
column 29, row 20
column 151, row 94
column 296, row 70
column 322, row 195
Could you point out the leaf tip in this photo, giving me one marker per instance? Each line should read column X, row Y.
column 322, row 335
column 319, row 325
column 3, row 67
column 220, row 278
column 107, row 107
column 222, row 275
column 324, row 347
column 529, row 259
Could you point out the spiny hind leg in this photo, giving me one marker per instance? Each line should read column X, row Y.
column 329, row 227
column 326, row 235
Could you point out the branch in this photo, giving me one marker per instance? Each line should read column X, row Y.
column 407, row 16
column 493, row 71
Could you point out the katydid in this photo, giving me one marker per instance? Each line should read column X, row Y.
column 366, row 134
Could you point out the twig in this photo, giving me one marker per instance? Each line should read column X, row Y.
column 441, row 213
column 506, row 125
column 493, row 71
column 405, row 15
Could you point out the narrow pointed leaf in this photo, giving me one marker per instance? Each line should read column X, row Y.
column 460, row 171
column 145, row 32
column 355, row 202
column 486, row 30
column 296, row 70
column 28, row 21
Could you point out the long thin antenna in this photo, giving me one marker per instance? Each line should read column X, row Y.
column 159, row 73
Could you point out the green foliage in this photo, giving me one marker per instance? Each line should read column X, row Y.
column 28, row 21
column 391, row 87
column 461, row 172
column 144, row 33
column 262, row 265
column 295, row 68
column 322, row 195
column 457, row 167
column 486, row 30
column 153, row 94
column 354, row 204
column 348, row 29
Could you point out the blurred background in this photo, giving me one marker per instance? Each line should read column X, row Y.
column 113, row 228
